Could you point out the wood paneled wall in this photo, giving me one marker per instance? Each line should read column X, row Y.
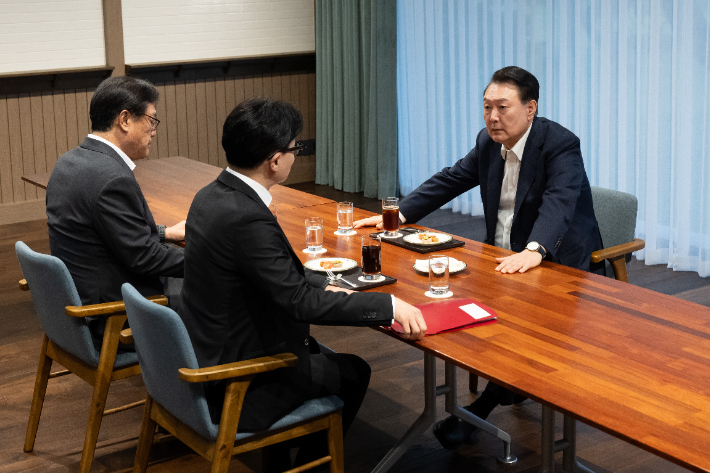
column 36, row 128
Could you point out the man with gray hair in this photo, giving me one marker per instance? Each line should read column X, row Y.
column 99, row 223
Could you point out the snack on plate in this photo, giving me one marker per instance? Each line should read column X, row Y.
column 331, row 264
column 428, row 238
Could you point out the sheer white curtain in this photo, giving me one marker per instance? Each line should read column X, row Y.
column 630, row 77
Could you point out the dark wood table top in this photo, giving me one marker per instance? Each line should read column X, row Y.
column 170, row 184
column 627, row 360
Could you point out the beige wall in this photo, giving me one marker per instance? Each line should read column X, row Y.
column 36, row 128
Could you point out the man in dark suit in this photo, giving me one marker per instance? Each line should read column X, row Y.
column 536, row 198
column 246, row 293
column 99, row 223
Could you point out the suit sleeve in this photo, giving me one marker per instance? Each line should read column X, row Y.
column 266, row 260
column 119, row 219
column 442, row 187
column 565, row 175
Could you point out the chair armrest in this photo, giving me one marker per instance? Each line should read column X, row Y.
column 239, row 368
column 126, row 336
column 107, row 308
column 23, row 285
column 618, row 250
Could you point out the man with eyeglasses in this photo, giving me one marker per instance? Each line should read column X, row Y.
column 99, row 223
column 247, row 295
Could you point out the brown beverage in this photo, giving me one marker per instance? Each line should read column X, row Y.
column 390, row 219
column 371, row 260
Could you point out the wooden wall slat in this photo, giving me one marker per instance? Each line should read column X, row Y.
column 37, row 128
column 191, row 102
column 181, row 116
column 13, row 119
column 221, row 115
column 211, row 121
column 6, row 196
column 160, row 133
column 201, row 123
column 28, row 154
column 60, row 128
column 171, row 118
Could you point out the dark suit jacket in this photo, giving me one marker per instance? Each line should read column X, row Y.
column 101, row 227
column 246, row 295
column 553, row 202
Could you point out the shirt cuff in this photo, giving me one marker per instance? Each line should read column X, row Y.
column 402, row 218
column 392, row 306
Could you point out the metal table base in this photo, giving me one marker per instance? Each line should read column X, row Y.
column 428, row 417
column 567, row 444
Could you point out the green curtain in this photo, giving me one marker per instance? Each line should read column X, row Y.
column 356, row 96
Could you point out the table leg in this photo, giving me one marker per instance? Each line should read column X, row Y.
column 423, row 422
column 453, row 408
column 567, row 445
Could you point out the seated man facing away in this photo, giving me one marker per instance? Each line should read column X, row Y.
column 536, row 201
column 247, row 295
column 99, row 223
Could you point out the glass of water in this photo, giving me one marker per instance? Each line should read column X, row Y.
column 314, row 233
column 438, row 274
column 345, row 217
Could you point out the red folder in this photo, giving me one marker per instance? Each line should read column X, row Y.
column 452, row 315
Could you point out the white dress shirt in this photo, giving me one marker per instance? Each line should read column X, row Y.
column 123, row 155
column 513, row 157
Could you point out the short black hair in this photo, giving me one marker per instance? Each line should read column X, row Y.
column 257, row 128
column 117, row 94
column 527, row 84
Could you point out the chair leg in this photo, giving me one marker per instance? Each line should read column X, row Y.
column 145, row 440
column 231, row 409
column 43, row 369
column 101, row 384
column 335, row 443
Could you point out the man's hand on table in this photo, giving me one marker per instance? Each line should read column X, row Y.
column 176, row 232
column 374, row 221
column 519, row 262
column 411, row 320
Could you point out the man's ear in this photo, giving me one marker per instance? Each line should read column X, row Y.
column 122, row 120
column 274, row 162
column 532, row 108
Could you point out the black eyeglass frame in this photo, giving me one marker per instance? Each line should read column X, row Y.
column 153, row 124
column 295, row 150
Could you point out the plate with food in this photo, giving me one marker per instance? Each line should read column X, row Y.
column 427, row 238
column 333, row 264
column 455, row 265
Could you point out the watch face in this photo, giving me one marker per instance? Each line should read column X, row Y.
column 533, row 246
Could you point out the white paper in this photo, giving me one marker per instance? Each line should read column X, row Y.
column 474, row 311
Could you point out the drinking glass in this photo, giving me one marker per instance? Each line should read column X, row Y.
column 390, row 216
column 438, row 274
column 345, row 217
column 314, row 233
column 371, row 257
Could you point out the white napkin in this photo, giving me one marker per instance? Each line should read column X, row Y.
column 454, row 265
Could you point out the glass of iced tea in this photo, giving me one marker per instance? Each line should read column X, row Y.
column 345, row 217
column 371, row 257
column 314, row 233
column 390, row 216
column 438, row 274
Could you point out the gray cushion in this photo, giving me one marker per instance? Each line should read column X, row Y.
column 616, row 215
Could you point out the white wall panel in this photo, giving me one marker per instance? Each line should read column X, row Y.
column 182, row 30
column 50, row 34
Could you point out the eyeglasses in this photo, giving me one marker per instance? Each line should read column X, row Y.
column 154, row 122
column 295, row 150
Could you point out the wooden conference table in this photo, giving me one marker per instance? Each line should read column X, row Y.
column 626, row 360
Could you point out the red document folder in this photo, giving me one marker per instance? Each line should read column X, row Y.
column 452, row 315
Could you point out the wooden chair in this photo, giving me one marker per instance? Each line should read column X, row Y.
column 67, row 341
column 176, row 398
column 616, row 216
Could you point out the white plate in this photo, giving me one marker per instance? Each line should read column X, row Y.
column 314, row 264
column 414, row 238
column 455, row 266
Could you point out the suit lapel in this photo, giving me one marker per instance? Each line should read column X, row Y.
column 528, row 165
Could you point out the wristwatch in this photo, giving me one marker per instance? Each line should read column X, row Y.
column 161, row 232
column 535, row 246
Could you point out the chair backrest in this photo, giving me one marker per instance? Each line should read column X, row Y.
column 616, row 215
column 163, row 347
column 52, row 289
